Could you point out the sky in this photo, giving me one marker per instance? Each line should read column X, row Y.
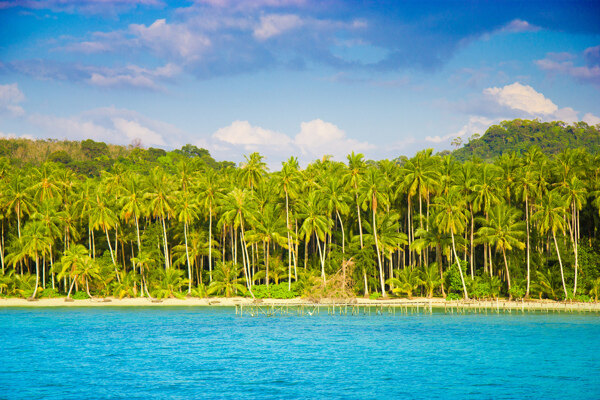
column 293, row 77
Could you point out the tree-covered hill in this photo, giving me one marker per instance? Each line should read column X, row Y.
column 89, row 157
column 519, row 135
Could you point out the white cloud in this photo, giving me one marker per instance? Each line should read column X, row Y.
column 133, row 76
column 109, row 124
column 10, row 97
column 274, row 24
column 589, row 73
column 518, row 25
column 171, row 39
column 523, row 98
column 591, row 119
column 133, row 130
column 566, row 114
column 476, row 124
column 318, row 138
column 315, row 139
column 4, row 135
column 251, row 138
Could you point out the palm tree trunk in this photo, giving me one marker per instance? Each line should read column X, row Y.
column 210, row 242
column 562, row 274
column 359, row 220
column 165, row 243
column 507, row 273
column 87, row 287
column 574, row 239
column 343, row 236
column 462, row 279
column 472, row 258
column 527, row 229
column 37, row 277
column 287, row 229
column 378, row 255
column 321, row 257
column 71, row 288
column 112, row 255
column 187, row 256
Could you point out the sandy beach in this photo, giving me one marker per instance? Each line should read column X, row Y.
column 245, row 301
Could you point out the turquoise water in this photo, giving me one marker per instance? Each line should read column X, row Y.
column 186, row 353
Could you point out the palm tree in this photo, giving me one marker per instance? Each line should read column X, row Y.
column 504, row 229
column 575, row 195
column 209, row 197
column 406, row 281
column 103, row 217
column 268, row 228
column 289, row 178
column 315, row 223
column 160, row 200
column 356, row 166
column 18, row 197
column 253, row 170
column 226, row 280
column 79, row 266
column 36, row 243
column 452, row 218
column 525, row 187
column 186, row 213
column 550, row 217
column 372, row 194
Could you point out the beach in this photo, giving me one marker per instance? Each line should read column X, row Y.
column 449, row 305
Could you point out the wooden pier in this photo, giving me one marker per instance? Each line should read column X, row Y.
column 274, row 309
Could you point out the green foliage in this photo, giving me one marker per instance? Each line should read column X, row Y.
column 81, row 295
column 519, row 135
column 375, row 296
column 49, row 293
column 278, row 291
column 453, row 296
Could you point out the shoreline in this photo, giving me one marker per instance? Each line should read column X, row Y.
column 415, row 303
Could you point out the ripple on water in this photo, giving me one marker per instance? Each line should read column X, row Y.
column 152, row 353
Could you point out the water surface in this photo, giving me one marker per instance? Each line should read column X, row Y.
column 184, row 353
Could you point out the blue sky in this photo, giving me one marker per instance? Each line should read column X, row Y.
column 293, row 77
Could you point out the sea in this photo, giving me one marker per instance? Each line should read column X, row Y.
column 212, row 353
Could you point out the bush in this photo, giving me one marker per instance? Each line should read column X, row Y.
column 50, row 293
column 453, row 296
column 375, row 296
column 279, row 291
column 80, row 296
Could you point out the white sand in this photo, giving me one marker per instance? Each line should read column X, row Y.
column 233, row 301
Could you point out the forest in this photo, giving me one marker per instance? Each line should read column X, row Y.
column 86, row 219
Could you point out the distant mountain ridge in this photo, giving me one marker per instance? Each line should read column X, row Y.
column 519, row 135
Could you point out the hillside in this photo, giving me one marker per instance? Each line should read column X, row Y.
column 518, row 135
column 89, row 157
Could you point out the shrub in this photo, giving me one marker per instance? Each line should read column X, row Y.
column 375, row 296
column 279, row 291
column 79, row 296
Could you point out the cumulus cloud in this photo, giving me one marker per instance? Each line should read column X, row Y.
column 476, row 124
column 252, row 138
column 133, row 76
column 105, row 7
column 273, row 25
column 522, row 97
column 10, row 97
column 109, row 124
column 171, row 39
column 518, row 25
column 589, row 73
column 591, row 119
column 130, row 76
column 315, row 139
